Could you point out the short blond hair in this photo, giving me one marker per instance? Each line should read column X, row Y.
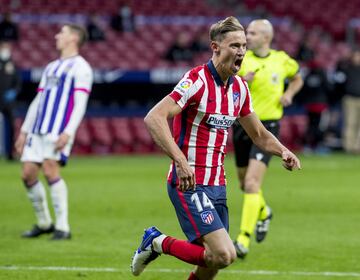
column 218, row 30
column 80, row 32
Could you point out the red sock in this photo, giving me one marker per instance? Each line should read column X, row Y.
column 192, row 276
column 185, row 251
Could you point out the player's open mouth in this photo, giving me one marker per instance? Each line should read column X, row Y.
column 238, row 62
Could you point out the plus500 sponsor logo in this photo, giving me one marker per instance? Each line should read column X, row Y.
column 220, row 121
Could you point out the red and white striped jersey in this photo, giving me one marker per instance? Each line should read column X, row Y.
column 209, row 108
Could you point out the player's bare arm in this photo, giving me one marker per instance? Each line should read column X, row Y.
column 267, row 141
column 20, row 142
column 28, row 123
column 293, row 88
column 157, row 124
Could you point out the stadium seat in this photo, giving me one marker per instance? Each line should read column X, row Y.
column 158, row 37
column 83, row 141
column 102, row 139
column 123, row 137
column 143, row 140
column 292, row 131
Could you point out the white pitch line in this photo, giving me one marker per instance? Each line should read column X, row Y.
column 168, row 270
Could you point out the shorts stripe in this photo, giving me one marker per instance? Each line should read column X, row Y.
column 186, row 208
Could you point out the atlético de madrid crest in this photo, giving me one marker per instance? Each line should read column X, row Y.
column 207, row 217
column 236, row 98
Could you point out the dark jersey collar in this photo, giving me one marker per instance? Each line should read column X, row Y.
column 216, row 75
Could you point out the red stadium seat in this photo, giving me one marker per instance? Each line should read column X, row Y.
column 145, row 48
column 102, row 139
column 292, row 131
column 82, row 144
column 143, row 140
column 123, row 137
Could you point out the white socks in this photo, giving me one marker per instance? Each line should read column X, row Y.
column 59, row 195
column 157, row 243
column 37, row 196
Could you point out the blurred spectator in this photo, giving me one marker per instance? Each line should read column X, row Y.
column 338, row 79
column 9, row 88
column 351, row 105
column 180, row 50
column 93, row 29
column 124, row 20
column 306, row 51
column 200, row 43
column 315, row 96
column 8, row 29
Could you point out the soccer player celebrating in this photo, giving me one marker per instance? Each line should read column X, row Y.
column 265, row 70
column 204, row 104
column 48, row 131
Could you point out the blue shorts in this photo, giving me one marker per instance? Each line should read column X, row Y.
column 201, row 211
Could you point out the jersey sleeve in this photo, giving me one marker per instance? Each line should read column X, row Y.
column 291, row 66
column 80, row 102
column 31, row 114
column 42, row 83
column 186, row 89
column 83, row 78
column 246, row 107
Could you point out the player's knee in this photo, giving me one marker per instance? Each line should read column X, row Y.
column 28, row 178
column 49, row 175
column 224, row 258
column 251, row 185
column 50, row 171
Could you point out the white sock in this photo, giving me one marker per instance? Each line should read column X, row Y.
column 157, row 243
column 59, row 195
column 37, row 196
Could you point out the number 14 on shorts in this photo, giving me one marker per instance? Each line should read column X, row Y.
column 203, row 203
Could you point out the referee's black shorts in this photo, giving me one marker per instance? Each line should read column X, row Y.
column 244, row 147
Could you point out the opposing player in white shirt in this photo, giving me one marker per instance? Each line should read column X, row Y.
column 48, row 132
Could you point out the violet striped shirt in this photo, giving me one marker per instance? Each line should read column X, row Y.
column 61, row 80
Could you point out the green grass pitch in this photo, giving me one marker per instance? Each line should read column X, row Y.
column 316, row 226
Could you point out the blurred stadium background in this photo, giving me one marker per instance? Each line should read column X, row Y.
column 132, row 71
column 315, row 234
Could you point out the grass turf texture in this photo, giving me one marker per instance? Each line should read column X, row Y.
column 112, row 199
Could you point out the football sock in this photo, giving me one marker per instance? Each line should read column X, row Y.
column 192, row 276
column 157, row 243
column 249, row 217
column 263, row 209
column 59, row 195
column 184, row 250
column 37, row 195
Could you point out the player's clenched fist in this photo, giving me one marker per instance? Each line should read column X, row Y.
column 290, row 161
column 186, row 176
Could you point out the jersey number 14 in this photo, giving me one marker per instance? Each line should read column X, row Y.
column 206, row 203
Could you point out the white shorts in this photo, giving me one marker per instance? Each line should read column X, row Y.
column 40, row 147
